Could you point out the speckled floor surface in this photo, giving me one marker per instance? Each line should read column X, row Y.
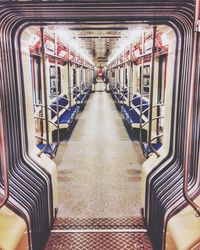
column 100, row 85
column 99, row 168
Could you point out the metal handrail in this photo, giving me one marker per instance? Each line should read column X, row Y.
column 4, row 166
column 43, row 106
column 141, row 85
column 134, row 98
column 44, row 119
column 64, row 107
column 130, row 79
column 155, row 151
column 187, row 154
column 45, row 87
column 61, row 96
column 152, row 119
column 40, row 137
column 69, row 81
column 137, row 106
column 154, row 106
column 151, row 86
column 42, row 151
column 157, row 136
column 56, row 76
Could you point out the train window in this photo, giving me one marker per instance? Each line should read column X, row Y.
column 74, row 77
column 81, row 77
column 146, row 76
column 53, row 76
column 162, row 78
column 119, row 76
column 126, row 77
column 113, row 74
column 36, row 79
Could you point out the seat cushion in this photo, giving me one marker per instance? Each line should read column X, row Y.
column 51, row 148
column 147, row 149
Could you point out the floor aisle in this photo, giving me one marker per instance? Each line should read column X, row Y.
column 99, row 167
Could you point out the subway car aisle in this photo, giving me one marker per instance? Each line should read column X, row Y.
column 99, row 86
column 99, row 167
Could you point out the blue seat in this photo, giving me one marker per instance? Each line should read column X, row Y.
column 130, row 115
column 145, row 106
column 145, row 103
column 76, row 91
column 136, row 99
column 79, row 95
column 148, row 150
column 74, row 108
column 62, row 102
column 69, row 115
column 117, row 97
column 86, row 89
column 50, row 149
column 81, row 98
column 65, row 118
column 134, row 117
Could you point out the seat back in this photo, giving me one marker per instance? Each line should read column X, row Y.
column 62, row 101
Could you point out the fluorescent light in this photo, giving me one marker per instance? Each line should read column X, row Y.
column 134, row 34
column 67, row 37
column 33, row 40
column 125, row 42
column 165, row 39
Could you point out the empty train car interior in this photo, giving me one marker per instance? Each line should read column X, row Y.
column 100, row 125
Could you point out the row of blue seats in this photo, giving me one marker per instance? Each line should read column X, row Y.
column 132, row 112
column 61, row 109
column 119, row 95
column 132, row 115
column 81, row 94
column 66, row 113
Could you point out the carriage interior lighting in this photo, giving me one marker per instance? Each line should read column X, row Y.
column 165, row 39
column 125, row 42
column 67, row 37
column 134, row 34
column 33, row 39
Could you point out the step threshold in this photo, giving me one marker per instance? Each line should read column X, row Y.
column 100, row 231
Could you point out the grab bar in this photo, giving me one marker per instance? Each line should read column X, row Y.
column 187, row 155
column 157, row 137
column 152, row 86
column 4, row 166
column 152, row 119
column 154, row 106
column 44, row 84
column 43, row 106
